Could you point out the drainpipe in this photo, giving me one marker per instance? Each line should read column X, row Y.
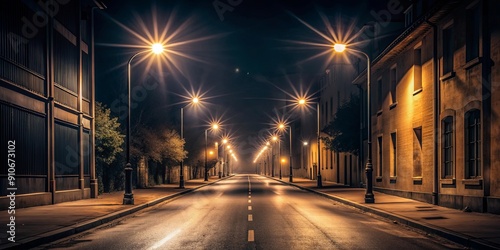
column 436, row 104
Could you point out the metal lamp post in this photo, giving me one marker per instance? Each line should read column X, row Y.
column 369, row 196
column 303, row 102
column 320, row 181
column 128, row 196
column 282, row 126
column 214, row 126
column 195, row 100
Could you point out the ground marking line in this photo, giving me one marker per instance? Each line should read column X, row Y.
column 250, row 217
column 249, row 208
column 250, row 235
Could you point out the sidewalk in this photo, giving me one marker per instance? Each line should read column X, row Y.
column 474, row 230
column 43, row 224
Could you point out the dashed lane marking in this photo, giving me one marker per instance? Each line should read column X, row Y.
column 250, row 217
column 250, row 235
column 249, row 208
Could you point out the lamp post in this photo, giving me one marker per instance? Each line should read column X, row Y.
column 275, row 139
column 320, row 181
column 369, row 197
column 303, row 102
column 224, row 141
column 304, row 159
column 217, row 157
column 282, row 127
column 128, row 196
column 195, row 100
column 227, row 159
column 214, row 126
column 279, row 154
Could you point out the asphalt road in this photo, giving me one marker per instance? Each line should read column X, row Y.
column 251, row 212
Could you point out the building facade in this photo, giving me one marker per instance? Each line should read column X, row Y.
column 334, row 88
column 435, row 106
column 47, row 101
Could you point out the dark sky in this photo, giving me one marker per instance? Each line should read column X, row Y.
column 253, row 37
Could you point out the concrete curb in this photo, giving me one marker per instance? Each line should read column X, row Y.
column 86, row 225
column 459, row 238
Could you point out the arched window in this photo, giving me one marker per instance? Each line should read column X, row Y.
column 448, row 147
column 472, row 144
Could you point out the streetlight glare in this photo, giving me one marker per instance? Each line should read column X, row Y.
column 305, row 143
column 215, row 126
column 157, row 48
column 275, row 138
column 339, row 47
column 281, row 126
column 196, row 100
column 302, row 101
column 224, row 141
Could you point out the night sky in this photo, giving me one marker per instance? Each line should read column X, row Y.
column 255, row 37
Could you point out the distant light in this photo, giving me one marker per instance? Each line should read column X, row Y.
column 224, row 141
column 302, row 101
column 237, row 70
column 339, row 47
column 215, row 126
column 275, row 138
column 305, row 143
column 196, row 100
column 281, row 126
column 282, row 160
column 211, row 152
column 157, row 48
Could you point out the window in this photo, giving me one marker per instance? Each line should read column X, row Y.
column 86, row 76
column 417, row 152
column 473, row 144
column 448, row 147
column 472, row 32
column 448, row 49
column 393, row 155
column 379, row 93
column 417, row 69
column 66, row 149
column 379, row 148
column 393, row 76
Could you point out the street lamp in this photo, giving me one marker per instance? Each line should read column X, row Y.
column 227, row 160
column 224, row 141
column 214, row 126
column 128, row 197
column 303, row 102
column 194, row 100
column 282, row 126
column 369, row 197
column 275, row 139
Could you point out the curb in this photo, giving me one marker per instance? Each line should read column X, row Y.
column 57, row 234
column 459, row 238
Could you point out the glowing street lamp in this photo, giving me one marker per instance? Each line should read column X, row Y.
column 276, row 139
column 194, row 100
column 369, row 196
column 303, row 102
column 128, row 197
column 214, row 126
column 282, row 127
